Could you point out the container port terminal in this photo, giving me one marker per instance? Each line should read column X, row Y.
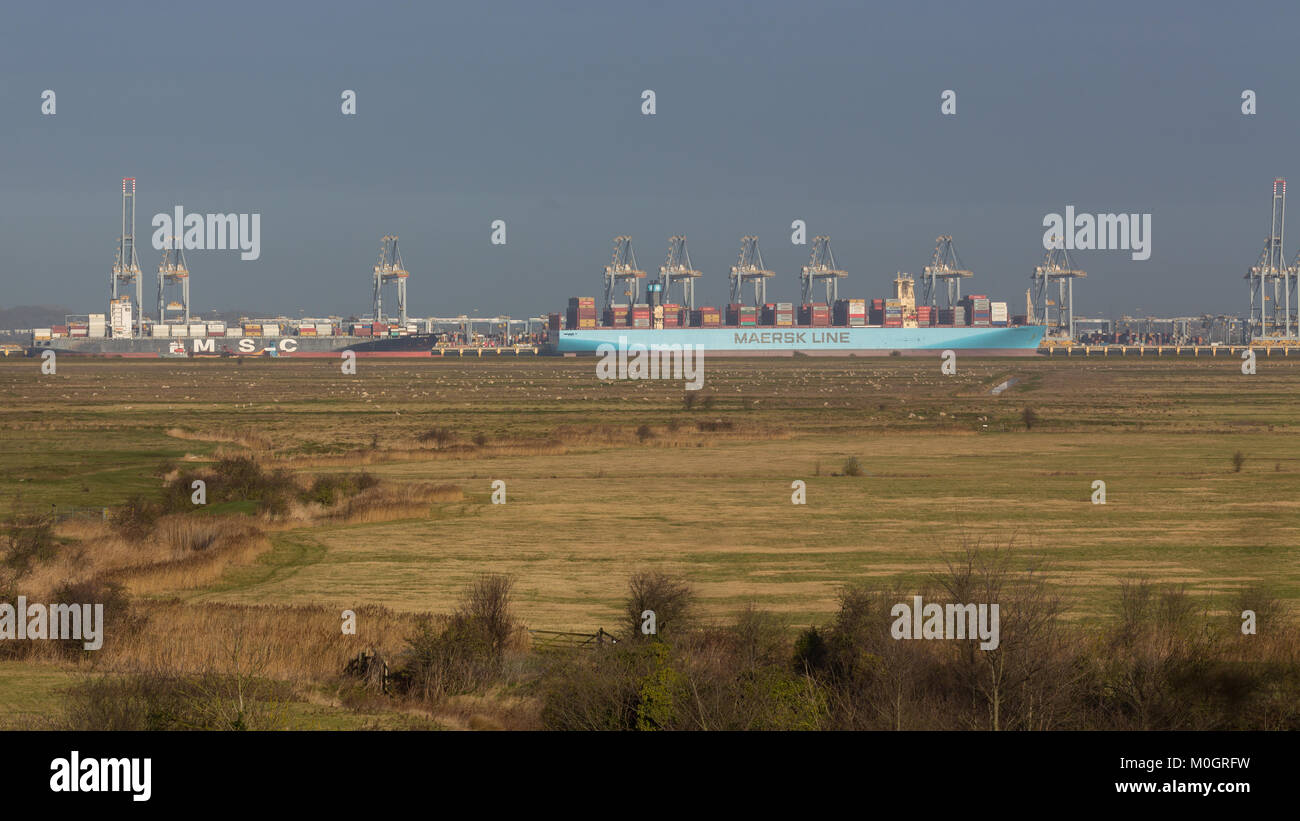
column 920, row 314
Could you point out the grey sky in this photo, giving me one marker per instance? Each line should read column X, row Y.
column 530, row 112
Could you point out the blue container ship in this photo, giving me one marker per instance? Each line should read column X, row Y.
column 1020, row 340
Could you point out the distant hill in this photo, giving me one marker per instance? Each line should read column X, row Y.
column 32, row 316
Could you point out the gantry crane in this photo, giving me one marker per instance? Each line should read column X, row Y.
column 677, row 270
column 389, row 269
column 945, row 266
column 126, row 268
column 749, row 268
column 821, row 266
column 622, row 277
column 1273, row 316
column 172, row 271
column 1056, row 266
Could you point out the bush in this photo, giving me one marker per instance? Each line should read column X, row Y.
column 643, row 433
column 171, row 701
column 1030, row 417
column 624, row 687
column 852, row 467
column 28, row 539
column 135, row 519
column 438, row 436
column 670, row 598
column 714, row 426
column 119, row 619
column 331, row 488
column 467, row 654
column 178, row 494
column 810, row 652
column 1238, row 459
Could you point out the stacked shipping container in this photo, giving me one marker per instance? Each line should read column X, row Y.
column 581, row 313
column 876, row 314
column 953, row 317
column 815, row 314
column 706, row 317
column 617, row 315
column 893, row 313
column 743, row 316
column 779, row 314
column 998, row 314
column 640, row 315
column 978, row 310
column 850, row 312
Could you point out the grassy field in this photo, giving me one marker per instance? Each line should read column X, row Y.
column 606, row 478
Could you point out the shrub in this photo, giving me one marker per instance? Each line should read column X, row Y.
column 467, row 654
column 159, row 700
column 177, row 495
column 670, row 598
column 852, row 467
column 134, row 519
column 1238, row 459
column 119, row 619
column 643, row 433
column 1030, row 417
column 28, row 539
column 624, row 687
column 810, row 652
column 704, row 426
column 438, row 436
column 330, row 488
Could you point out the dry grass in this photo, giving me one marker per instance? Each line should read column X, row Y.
column 386, row 503
column 300, row 644
column 182, row 553
column 246, row 439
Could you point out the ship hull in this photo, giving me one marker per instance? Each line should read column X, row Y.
column 287, row 346
column 1020, row 340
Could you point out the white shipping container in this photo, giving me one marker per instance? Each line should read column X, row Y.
column 998, row 311
column 41, row 333
column 216, row 326
column 180, row 330
column 98, row 331
column 270, row 330
column 324, row 329
column 96, row 318
column 198, row 329
column 235, row 331
column 159, row 330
